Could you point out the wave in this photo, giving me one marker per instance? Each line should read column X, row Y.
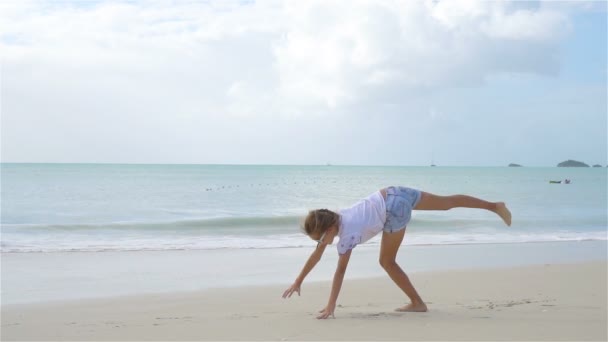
column 56, row 243
column 276, row 223
column 280, row 231
column 210, row 224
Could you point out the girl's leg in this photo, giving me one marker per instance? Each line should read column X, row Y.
column 429, row 201
column 388, row 253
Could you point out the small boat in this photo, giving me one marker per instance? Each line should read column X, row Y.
column 555, row 182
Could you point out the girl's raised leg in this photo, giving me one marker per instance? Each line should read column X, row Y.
column 388, row 254
column 430, row 201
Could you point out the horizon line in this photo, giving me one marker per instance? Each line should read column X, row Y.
column 270, row 164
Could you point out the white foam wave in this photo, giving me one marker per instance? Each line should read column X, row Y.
column 140, row 243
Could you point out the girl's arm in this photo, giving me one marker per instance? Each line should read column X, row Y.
column 310, row 264
column 336, row 286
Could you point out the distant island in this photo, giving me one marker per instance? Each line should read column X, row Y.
column 514, row 165
column 597, row 165
column 572, row 163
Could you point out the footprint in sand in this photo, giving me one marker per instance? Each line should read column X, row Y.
column 492, row 305
column 239, row 317
column 375, row 315
column 10, row 324
column 184, row 317
column 115, row 324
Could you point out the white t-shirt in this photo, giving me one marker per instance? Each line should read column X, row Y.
column 361, row 222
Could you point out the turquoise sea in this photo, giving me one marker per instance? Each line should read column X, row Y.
column 74, row 231
column 108, row 207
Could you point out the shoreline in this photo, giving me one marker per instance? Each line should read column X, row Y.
column 60, row 276
column 565, row 302
column 366, row 245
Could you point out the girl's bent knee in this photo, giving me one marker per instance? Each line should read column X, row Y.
column 387, row 263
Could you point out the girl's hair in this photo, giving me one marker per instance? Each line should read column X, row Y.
column 319, row 220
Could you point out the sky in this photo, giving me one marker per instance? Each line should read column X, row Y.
column 457, row 83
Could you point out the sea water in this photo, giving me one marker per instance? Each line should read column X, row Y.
column 106, row 207
column 73, row 231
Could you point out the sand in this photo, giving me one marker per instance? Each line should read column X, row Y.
column 542, row 302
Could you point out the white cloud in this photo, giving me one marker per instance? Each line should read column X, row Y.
column 528, row 25
column 313, row 53
column 335, row 53
column 189, row 67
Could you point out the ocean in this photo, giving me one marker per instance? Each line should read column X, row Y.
column 112, row 207
column 76, row 231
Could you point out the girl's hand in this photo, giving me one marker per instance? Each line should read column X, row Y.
column 293, row 288
column 328, row 311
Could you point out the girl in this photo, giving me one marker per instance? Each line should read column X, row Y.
column 387, row 210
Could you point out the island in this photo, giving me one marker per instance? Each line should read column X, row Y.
column 572, row 163
column 597, row 165
column 514, row 165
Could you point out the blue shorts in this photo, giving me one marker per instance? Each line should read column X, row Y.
column 399, row 204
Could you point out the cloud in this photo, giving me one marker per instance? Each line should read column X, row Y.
column 108, row 69
column 338, row 53
column 303, row 54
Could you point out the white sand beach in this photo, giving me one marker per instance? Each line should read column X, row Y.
column 541, row 302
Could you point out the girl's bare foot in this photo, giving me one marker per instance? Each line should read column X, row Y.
column 503, row 212
column 421, row 307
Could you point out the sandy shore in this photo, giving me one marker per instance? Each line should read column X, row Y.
column 546, row 302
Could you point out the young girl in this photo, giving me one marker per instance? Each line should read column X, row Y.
column 387, row 210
